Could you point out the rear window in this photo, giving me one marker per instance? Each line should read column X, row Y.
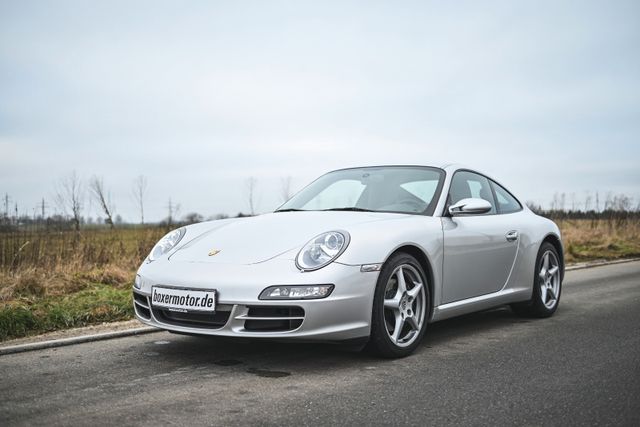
column 506, row 202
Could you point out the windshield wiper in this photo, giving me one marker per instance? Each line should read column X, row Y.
column 290, row 210
column 352, row 209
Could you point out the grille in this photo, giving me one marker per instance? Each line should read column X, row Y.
column 141, row 306
column 195, row 320
column 141, row 299
column 273, row 318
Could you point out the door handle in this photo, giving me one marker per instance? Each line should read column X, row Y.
column 511, row 236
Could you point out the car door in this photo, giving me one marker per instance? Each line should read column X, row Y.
column 479, row 250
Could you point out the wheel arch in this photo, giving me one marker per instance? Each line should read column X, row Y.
column 423, row 259
column 554, row 240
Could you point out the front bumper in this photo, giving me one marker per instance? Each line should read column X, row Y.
column 343, row 315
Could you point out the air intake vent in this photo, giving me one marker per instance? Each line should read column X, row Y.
column 273, row 318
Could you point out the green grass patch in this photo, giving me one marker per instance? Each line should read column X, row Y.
column 614, row 250
column 96, row 304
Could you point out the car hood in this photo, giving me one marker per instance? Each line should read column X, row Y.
column 257, row 239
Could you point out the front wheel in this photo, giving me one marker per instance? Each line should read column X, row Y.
column 400, row 307
column 547, row 285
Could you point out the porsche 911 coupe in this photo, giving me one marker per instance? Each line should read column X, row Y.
column 370, row 254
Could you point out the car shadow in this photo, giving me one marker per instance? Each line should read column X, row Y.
column 277, row 358
column 450, row 330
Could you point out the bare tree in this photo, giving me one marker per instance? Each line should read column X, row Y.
column 587, row 202
column 621, row 203
column 103, row 197
column 250, row 187
column 174, row 209
column 70, row 198
column 6, row 204
column 285, row 188
column 608, row 201
column 555, row 202
column 139, row 190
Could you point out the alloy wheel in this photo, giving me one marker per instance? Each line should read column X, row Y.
column 549, row 279
column 404, row 305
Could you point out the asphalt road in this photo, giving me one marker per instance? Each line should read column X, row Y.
column 581, row 366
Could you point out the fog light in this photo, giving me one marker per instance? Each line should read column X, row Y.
column 137, row 283
column 296, row 292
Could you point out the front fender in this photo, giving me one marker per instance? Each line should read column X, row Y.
column 374, row 243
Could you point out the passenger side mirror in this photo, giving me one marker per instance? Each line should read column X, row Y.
column 470, row 207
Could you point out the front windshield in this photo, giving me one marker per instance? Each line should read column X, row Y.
column 400, row 189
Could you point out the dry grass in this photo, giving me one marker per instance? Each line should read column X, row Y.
column 40, row 264
column 586, row 239
column 67, row 250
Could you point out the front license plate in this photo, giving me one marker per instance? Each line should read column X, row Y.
column 184, row 300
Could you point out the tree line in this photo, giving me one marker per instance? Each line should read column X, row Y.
column 71, row 194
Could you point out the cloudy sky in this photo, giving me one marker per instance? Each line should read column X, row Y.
column 199, row 96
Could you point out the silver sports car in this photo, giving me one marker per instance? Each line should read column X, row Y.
column 371, row 253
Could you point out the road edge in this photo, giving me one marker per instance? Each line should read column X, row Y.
column 20, row 348
column 592, row 264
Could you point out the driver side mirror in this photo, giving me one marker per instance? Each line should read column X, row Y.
column 470, row 207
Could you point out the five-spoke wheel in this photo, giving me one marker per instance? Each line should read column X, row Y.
column 400, row 307
column 549, row 279
column 547, row 284
column 404, row 304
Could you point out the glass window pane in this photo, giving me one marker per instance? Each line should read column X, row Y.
column 465, row 185
column 402, row 189
column 506, row 202
column 424, row 190
column 341, row 193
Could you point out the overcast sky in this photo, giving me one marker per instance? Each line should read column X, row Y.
column 199, row 96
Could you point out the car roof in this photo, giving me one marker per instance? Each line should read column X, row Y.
column 449, row 167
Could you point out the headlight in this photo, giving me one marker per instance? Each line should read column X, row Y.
column 322, row 250
column 296, row 292
column 167, row 243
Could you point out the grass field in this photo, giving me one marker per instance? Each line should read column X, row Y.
column 57, row 280
column 586, row 240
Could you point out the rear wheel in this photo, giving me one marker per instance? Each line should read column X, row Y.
column 400, row 307
column 547, row 285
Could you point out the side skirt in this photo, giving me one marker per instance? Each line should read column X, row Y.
column 482, row 302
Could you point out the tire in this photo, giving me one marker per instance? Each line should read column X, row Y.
column 414, row 302
column 547, row 285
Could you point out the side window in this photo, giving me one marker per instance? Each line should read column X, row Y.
column 465, row 185
column 506, row 202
